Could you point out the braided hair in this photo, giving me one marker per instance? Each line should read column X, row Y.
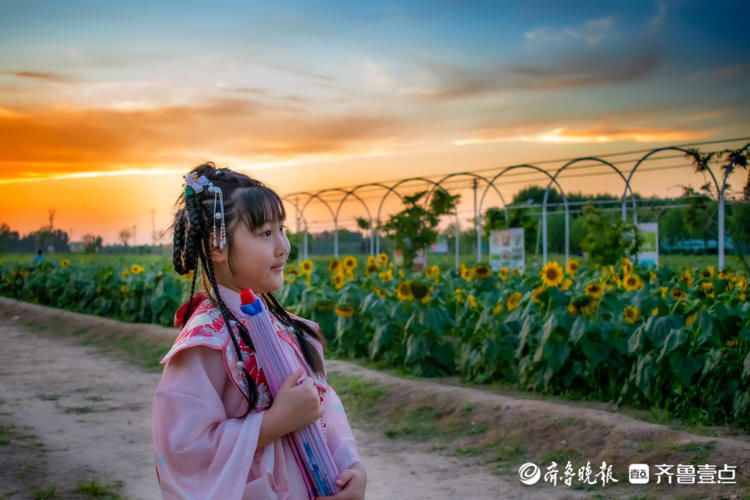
column 246, row 201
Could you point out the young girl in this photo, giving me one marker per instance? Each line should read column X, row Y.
column 217, row 432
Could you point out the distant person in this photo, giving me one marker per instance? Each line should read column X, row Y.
column 38, row 257
column 217, row 430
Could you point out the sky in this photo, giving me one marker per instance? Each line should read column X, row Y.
column 105, row 105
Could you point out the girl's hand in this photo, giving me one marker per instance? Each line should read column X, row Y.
column 296, row 406
column 352, row 481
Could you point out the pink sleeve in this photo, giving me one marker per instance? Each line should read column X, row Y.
column 339, row 434
column 200, row 451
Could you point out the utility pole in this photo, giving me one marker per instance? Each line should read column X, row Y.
column 153, row 228
column 51, row 219
column 134, row 240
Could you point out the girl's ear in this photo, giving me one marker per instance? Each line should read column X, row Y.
column 219, row 254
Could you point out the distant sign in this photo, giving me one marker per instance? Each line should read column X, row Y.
column 648, row 253
column 440, row 246
column 507, row 249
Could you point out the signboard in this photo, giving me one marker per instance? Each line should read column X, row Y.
column 440, row 246
column 507, row 249
column 648, row 254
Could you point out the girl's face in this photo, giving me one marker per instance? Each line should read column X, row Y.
column 258, row 258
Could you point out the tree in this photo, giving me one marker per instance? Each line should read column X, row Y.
column 125, row 235
column 607, row 241
column 414, row 228
column 91, row 243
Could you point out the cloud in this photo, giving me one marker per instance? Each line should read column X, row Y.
column 58, row 141
column 48, row 77
column 592, row 33
column 596, row 135
column 720, row 73
column 661, row 13
column 456, row 82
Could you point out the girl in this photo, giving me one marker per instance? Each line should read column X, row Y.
column 217, row 432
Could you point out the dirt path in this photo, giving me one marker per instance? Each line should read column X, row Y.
column 92, row 413
column 70, row 413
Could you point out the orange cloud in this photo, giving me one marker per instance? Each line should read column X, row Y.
column 37, row 75
column 56, row 141
column 594, row 135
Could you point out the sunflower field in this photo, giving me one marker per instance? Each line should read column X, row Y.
column 656, row 338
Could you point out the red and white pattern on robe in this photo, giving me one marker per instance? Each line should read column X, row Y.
column 205, row 327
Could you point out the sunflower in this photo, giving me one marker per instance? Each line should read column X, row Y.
column 627, row 266
column 333, row 264
column 435, row 272
column 349, row 275
column 691, row 319
column 632, row 282
column 584, row 304
column 472, row 301
column 291, row 271
column 566, row 284
column 655, row 311
column 503, row 273
column 378, row 292
column 371, row 268
column 383, row 259
column 125, row 274
column 707, row 285
column 386, row 275
column 708, row 273
column 324, row 305
column 344, row 311
column 426, row 298
column 725, row 275
column 594, row 290
column 371, row 260
column 552, row 274
column 536, row 293
column 350, row 262
column 64, row 263
column 306, row 266
column 513, row 300
column 741, row 284
column 466, row 274
column 663, row 290
column 338, row 281
column 403, row 291
column 678, row 294
column 686, row 278
column 630, row 314
column 289, row 278
column 418, row 290
column 460, row 296
column 123, row 288
column 428, row 272
column 136, row 269
column 482, row 271
column 401, row 273
column 651, row 275
column 572, row 267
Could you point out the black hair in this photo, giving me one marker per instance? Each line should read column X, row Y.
column 246, row 201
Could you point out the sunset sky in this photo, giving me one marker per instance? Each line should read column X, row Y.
column 104, row 105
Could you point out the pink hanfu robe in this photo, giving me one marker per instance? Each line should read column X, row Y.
column 203, row 447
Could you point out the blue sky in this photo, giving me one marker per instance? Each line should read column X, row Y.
column 356, row 91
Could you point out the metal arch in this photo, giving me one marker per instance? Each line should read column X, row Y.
column 721, row 205
column 369, row 215
column 375, row 231
column 477, row 213
column 644, row 158
column 608, row 164
column 317, row 195
column 334, row 215
column 544, row 207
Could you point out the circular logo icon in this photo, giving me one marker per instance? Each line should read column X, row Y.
column 529, row 473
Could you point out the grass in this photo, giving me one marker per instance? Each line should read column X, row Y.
column 94, row 489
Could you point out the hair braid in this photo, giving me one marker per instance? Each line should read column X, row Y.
column 208, row 266
column 178, row 242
